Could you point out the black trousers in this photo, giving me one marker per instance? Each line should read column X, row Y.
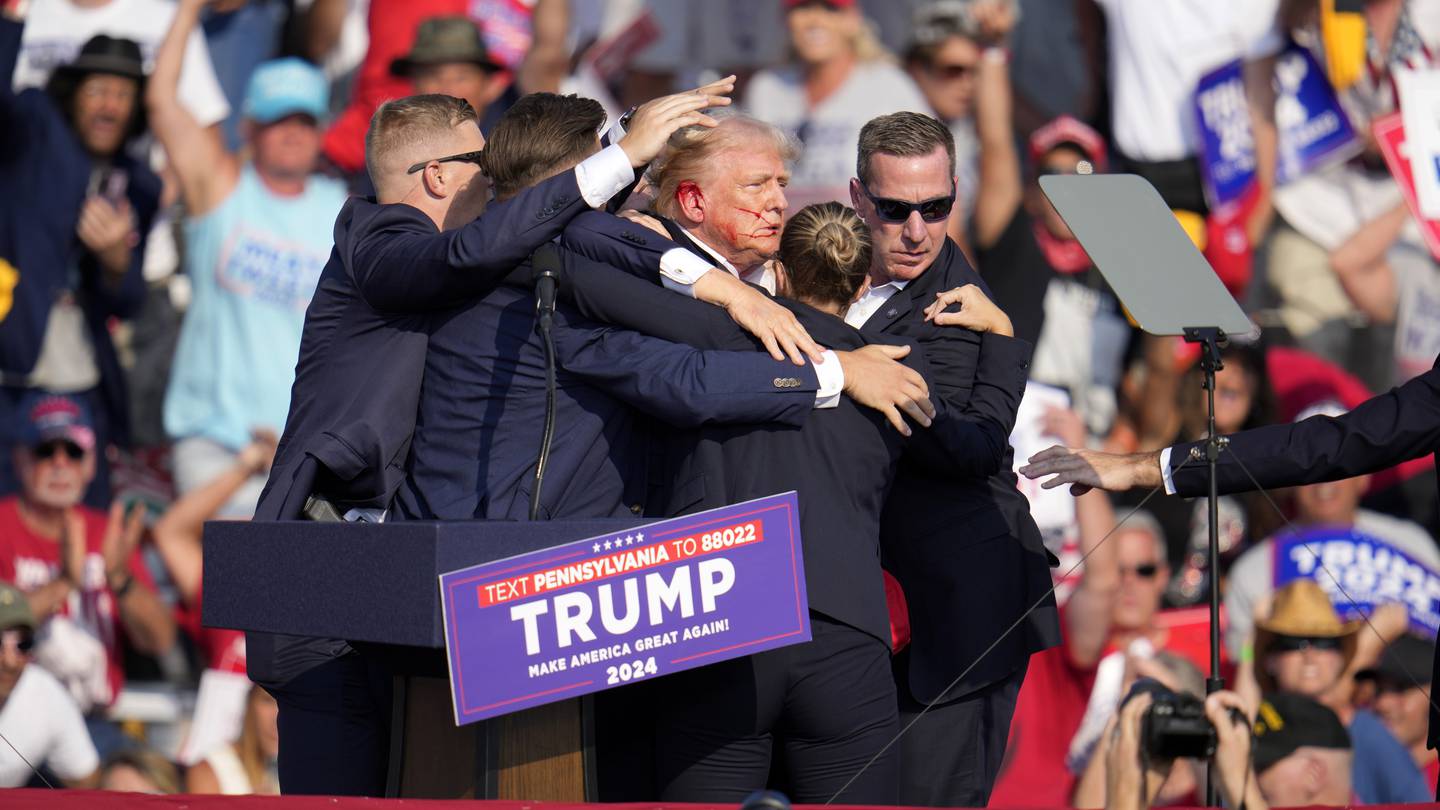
column 951, row 756
column 334, row 725
column 828, row 704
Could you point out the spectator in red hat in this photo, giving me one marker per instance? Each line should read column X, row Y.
column 79, row 568
column 840, row 79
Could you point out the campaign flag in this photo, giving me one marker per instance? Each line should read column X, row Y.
column 1390, row 135
column 1312, row 129
column 1227, row 142
column 610, row 610
column 1420, row 106
column 1359, row 572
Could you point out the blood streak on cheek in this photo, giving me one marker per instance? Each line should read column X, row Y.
column 762, row 226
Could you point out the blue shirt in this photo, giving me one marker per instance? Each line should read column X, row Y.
column 1383, row 772
column 253, row 264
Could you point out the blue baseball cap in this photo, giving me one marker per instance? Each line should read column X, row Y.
column 52, row 417
column 284, row 87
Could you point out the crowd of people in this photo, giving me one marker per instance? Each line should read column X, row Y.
column 179, row 172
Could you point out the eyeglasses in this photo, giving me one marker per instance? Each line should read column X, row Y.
column 1144, row 571
column 463, row 157
column 952, row 72
column 47, row 451
column 21, row 640
column 891, row 210
column 1302, row 643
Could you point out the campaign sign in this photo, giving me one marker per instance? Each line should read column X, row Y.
column 1370, row 571
column 605, row 611
column 1390, row 134
column 1227, row 144
column 1312, row 129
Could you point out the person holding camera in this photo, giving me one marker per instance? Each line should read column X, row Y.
column 1140, row 752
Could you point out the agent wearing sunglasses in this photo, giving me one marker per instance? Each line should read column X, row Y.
column 904, row 191
column 37, row 716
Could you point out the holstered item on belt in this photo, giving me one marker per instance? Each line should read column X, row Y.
column 321, row 511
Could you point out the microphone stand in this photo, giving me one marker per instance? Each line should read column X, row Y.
column 1210, row 338
column 544, row 260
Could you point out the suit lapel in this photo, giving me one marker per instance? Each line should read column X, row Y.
column 895, row 307
column 682, row 238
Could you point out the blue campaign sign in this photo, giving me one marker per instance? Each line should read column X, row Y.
column 1371, row 571
column 1311, row 127
column 1227, row 142
column 605, row 611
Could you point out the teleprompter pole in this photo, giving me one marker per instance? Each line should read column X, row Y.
column 1210, row 338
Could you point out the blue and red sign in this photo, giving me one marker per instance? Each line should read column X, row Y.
column 606, row 611
column 1359, row 572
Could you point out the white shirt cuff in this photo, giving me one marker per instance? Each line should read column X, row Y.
column 680, row 269
column 1165, row 471
column 832, row 380
column 603, row 175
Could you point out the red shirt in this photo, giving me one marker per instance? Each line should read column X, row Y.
column 30, row 561
column 1432, row 772
column 223, row 649
column 1047, row 714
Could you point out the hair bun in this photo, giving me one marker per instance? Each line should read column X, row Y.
column 836, row 244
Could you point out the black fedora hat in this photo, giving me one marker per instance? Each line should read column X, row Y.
column 439, row 40
column 106, row 54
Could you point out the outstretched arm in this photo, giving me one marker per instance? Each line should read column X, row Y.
column 207, row 171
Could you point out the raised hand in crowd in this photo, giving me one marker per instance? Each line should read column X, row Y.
column 976, row 313
column 874, row 379
column 1233, row 769
column 656, row 120
column 122, row 539
column 147, row 621
column 108, row 230
column 178, row 532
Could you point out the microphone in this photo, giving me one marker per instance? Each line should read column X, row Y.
column 765, row 800
column 545, row 265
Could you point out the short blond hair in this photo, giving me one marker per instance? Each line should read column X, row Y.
column 401, row 126
column 690, row 154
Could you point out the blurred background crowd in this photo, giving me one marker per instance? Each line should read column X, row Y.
column 172, row 171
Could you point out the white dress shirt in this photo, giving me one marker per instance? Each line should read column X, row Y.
column 870, row 303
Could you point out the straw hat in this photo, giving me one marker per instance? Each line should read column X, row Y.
column 1302, row 610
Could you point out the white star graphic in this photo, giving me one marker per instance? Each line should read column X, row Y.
column 597, row 547
column 639, row 537
column 607, row 545
column 629, row 539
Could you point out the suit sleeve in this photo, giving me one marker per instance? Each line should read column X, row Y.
column 971, row 439
column 398, row 268
column 1396, row 426
column 602, row 293
column 681, row 385
column 617, row 242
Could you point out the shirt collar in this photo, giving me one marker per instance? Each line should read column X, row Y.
column 714, row 254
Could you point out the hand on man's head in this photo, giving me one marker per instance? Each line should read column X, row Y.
column 656, row 120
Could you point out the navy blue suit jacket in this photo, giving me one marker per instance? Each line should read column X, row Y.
column 357, row 382
column 965, row 550
column 841, row 461
column 482, row 408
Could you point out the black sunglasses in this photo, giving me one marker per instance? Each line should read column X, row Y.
column 1301, row 643
column 936, row 210
column 47, row 451
column 463, row 157
column 24, row 643
column 1146, row 571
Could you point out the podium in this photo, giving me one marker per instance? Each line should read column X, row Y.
column 377, row 586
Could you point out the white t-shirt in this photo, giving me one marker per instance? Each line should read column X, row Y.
column 830, row 132
column 1159, row 49
column 42, row 722
column 1253, row 575
column 55, row 30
